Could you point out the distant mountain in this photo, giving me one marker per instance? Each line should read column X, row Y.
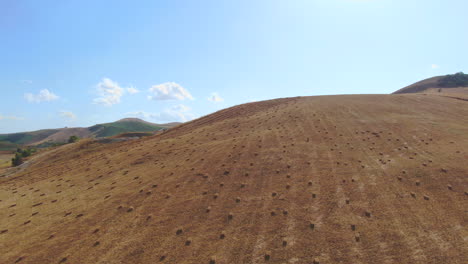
column 49, row 136
column 452, row 83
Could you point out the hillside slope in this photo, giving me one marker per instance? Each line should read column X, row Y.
column 329, row 179
column 62, row 135
column 446, row 84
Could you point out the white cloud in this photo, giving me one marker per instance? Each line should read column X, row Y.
column 180, row 108
column 109, row 92
column 43, row 96
column 180, row 113
column 132, row 90
column 435, row 66
column 215, row 98
column 169, row 91
column 2, row 117
column 67, row 114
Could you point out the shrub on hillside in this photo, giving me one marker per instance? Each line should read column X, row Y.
column 73, row 139
column 26, row 152
column 17, row 160
column 20, row 154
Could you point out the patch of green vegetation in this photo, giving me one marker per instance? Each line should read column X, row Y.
column 136, row 134
column 112, row 129
column 20, row 154
column 18, row 138
column 454, row 80
column 73, row 139
column 17, row 160
column 24, row 138
column 50, row 144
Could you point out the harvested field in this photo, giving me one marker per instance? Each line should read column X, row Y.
column 328, row 179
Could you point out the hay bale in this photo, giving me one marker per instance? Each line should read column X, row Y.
column 357, row 238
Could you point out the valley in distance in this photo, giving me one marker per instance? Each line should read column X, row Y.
column 316, row 179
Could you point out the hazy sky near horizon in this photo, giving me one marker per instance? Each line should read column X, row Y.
column 78, row 63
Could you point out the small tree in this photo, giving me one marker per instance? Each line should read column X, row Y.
column 73, row 139
column 17, row 160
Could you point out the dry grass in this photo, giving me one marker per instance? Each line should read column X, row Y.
column 5, row 160
column 328, row 179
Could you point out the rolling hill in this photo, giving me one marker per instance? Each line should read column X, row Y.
column 48, row 136
column 447, row 84
column 324, row 180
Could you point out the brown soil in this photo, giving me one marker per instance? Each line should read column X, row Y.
column 329, row 179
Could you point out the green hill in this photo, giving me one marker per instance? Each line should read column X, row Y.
column 27, row 137
column 123, row 126
column 50, row 137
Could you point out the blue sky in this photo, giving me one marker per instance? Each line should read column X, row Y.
column 78, row 63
